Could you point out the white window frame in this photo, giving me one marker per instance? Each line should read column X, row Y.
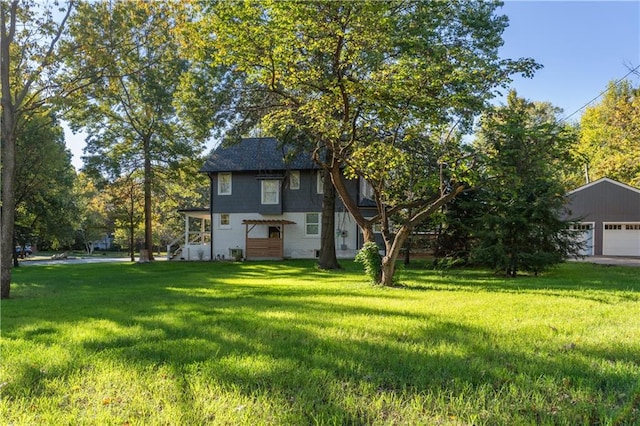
column 307, row 223
column 294, row 179
column 222, row 190
column 319, row 182
column 222, row 225
column 582, row 226
column 265, row 191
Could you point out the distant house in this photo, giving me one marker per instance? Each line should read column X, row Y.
column 104, row 243
column 265, row 203
column 609, row 218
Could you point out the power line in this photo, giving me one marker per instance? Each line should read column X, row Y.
column 599, row 94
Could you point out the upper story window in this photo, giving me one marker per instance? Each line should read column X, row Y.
column 366, row 190
column 224, row 183
column 225, row 221
column 294, row 179
column 270, row 191
column 320, row 182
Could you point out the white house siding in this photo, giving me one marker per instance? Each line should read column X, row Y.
column 297, row 245
column 195, row 252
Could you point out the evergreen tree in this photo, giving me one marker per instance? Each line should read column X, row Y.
column 521, row 225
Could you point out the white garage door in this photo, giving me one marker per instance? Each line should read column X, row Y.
column 584, row 235
column 621, row 239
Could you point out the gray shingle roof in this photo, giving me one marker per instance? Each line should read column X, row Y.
column 255, row 154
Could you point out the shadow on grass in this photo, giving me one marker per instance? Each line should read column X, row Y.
column 600, row 283
column 211, row 326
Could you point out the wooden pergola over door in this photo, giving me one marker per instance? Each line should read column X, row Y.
column 269, row 247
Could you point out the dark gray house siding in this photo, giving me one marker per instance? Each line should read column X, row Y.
column 601, row 202
column 254, row 159
column 246, row 193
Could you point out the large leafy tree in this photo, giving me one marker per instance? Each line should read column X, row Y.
column 29, row 62
column 45, row 201
column 128, row 111
column 366, row 82
column 610, row 135
column 521, row 226
column 92, row 221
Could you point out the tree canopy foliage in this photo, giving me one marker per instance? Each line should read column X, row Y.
column 610, row 135
column 92, row 221
column 45, row 203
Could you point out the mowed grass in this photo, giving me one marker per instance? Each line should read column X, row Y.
column 286, row 344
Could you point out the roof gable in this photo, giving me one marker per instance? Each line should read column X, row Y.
column 256, row 154
column 604, row 181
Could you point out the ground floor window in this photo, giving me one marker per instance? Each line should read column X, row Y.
column 312, row 224
column 225, row 221
column 274, row 232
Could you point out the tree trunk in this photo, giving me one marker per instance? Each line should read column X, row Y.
column 328, row 259
column 14, row 243
column 407, row 252
column 8, row 132
column 148, row 234
column 350, row 204
column 132, row 254
column 393, row 249
column 7, row 250
column 131, row 227
column 390, row 258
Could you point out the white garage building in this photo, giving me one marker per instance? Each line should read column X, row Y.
column 608, row 215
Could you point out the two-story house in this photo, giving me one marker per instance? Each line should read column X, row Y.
column 265, row 203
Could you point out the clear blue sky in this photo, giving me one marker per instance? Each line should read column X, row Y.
column 583, row 45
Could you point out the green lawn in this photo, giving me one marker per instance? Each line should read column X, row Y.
column 282, row 343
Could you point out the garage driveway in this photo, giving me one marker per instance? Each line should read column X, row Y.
column 611, row 260
column 72, row 260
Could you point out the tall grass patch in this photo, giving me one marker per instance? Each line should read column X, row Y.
column 285, row 343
